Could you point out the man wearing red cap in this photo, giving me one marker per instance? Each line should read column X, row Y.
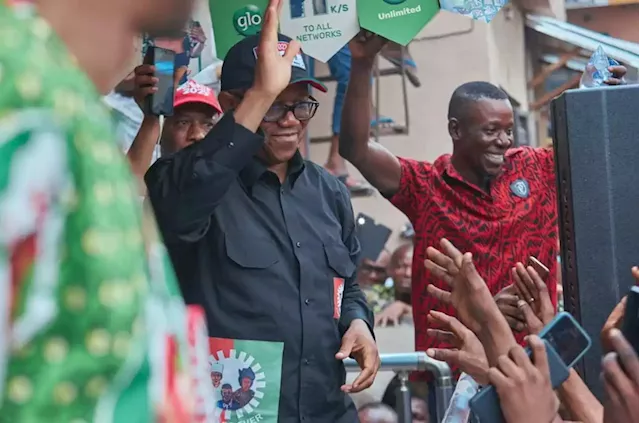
column 196, row 111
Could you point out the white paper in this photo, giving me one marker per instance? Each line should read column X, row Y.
column 322, row 26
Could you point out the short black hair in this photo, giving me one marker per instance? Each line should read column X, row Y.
column 471, row 92
column 227, row 386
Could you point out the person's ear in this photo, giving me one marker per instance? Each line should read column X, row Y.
column 455, row 131
column 228, row 101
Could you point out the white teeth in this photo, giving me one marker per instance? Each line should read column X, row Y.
column 495, row 157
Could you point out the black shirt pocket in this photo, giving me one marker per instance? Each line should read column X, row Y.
column 251, row 253
column 339, row 259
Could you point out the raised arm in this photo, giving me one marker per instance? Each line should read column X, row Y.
column 186, row 187
column 381, row 168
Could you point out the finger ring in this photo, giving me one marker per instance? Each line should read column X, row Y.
column 531, row 300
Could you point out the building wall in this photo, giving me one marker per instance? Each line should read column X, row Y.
column 617, row 21
column 450, row 50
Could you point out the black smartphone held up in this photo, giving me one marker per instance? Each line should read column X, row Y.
column 372, row 236
column 161, row 102
column 485, row 405
column 630, row 321
column 567, row 337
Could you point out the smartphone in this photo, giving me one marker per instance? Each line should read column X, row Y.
column 630, row 320
column 567, row 337
column 485, row 405
column 542, row 270
column 372, row 236
column 161, row 102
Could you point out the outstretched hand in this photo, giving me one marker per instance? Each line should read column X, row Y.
column 273, row 70
column 358, row 343
column 467, row 353
column 469, row 294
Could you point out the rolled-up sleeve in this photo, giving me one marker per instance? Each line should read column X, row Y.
column 354, row 303
column 185, row 188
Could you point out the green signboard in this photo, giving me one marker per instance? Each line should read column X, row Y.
column 397, row 20
column 234, row 20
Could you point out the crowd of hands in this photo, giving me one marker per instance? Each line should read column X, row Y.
column 485, row 348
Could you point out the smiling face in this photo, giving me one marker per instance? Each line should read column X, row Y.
column 482, row 136
column 246, row 384
column 227, row 394
column 284, row 136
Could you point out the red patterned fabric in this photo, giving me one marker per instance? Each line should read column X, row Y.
column 500, row 228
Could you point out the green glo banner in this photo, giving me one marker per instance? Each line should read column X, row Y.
column 234, row 20
column 397, row 20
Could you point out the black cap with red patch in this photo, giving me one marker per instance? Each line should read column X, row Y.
column 238, row 68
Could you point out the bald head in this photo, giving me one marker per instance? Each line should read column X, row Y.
column 377, row 413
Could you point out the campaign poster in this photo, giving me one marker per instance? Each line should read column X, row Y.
column 246, row 377
column 322, row 26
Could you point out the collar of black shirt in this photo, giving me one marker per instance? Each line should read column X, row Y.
column 256, row 168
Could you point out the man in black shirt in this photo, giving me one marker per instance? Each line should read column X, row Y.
column 265, row 242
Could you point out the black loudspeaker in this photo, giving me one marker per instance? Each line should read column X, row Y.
column 596, row 151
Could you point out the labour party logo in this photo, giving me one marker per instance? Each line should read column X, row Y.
column 520, row 188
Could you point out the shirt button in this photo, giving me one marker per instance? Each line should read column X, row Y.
column 282, row 191
column 230, row 145
column 306, row 361
column 307, row 301
column 298, row 244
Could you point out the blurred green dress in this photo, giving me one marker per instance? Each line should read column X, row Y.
column 86, row 289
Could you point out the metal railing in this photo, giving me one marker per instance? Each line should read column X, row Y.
column 404, row 363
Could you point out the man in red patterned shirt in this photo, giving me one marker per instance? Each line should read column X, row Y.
column 494, row 201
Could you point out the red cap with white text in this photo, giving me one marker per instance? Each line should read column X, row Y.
column 192, row 92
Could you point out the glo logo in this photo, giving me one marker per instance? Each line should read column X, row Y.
column 248, row 20
column 394, row 1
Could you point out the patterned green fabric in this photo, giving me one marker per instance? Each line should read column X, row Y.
column 81, row 273
column 378, row 297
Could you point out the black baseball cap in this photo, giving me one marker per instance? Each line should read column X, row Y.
column 239, row 65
